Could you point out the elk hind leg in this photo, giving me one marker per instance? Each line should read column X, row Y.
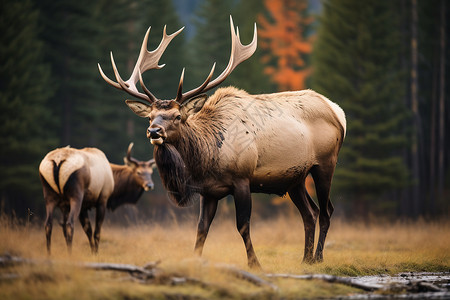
column 86, row 224
column 309, row 212
column 322, row 178
column 75, row 207
column 50, row 207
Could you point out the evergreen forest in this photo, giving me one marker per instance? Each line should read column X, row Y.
column 386, row 63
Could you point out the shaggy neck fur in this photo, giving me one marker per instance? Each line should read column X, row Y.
column 175, row 175
column 126, row 190
column 183, row 164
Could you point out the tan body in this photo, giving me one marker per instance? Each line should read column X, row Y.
column 261, row 131
column 92, row 162
column 236, row 143
column 76, row 180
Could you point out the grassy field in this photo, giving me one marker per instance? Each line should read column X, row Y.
column 352, row 249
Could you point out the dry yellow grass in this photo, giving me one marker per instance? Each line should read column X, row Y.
column 352, row 249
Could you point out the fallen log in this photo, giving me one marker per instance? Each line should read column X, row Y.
column 250, row 277
column 332, row 279
column 142, row 273
column 148, row 273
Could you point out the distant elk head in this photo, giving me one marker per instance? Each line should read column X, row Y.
column 142, row 170
column 166, row 115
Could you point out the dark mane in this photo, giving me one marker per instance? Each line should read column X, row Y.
column 175, row 176
column 184, row 165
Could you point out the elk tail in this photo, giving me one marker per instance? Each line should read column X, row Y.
column 56, row 170
column 49, row 171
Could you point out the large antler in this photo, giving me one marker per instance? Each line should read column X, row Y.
column 239, row 53
column 147, row 60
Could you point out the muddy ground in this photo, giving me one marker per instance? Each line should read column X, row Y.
column 406, row 286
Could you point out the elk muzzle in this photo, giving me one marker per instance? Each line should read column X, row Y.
column 149, row 186
column 156, row 135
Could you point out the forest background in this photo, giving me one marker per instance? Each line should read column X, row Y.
column 386, row 63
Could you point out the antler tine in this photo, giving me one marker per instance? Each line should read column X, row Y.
column 131, row 159
column 130, row 89
column 114, row 84
column 150, row 59
column 180, row 86
column 147, row 60
column 182, row 97
column 146, row 91
column 239, row 53
column 130, row 146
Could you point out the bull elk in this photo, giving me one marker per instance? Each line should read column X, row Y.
column 76, row 180
column 236, row 143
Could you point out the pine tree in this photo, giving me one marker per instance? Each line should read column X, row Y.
column 70, row 37
column 117, row 24
column 356, row 65
column 76, row 35
column 26, row 119
column 433, row 69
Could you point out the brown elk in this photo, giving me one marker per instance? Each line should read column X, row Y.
column 236, row 143
column 76, row 180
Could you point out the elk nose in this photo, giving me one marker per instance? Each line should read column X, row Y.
column 149, row 186
column 153, row 132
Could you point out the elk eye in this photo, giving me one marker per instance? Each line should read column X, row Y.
column 178, row 117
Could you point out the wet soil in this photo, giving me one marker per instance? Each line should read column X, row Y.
column 406, row 286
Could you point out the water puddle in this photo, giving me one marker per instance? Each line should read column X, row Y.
column 406, row 286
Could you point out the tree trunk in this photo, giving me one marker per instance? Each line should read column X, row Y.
column 441, row 150
column 415, row 155
column 433, row 133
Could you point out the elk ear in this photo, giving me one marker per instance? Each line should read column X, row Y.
column 193, row 105
column 139, row 108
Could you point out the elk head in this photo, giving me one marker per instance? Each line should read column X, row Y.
column 165, row 116
column 142, row 170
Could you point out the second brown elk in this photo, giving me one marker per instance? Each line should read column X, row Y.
column 236, row 143
column 77, row 180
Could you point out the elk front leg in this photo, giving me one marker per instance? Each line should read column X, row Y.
column 86, row 224
column 243, row 204
column 208, row 208
column 99, row 217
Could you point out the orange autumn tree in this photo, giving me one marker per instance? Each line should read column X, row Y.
column 283, row 38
